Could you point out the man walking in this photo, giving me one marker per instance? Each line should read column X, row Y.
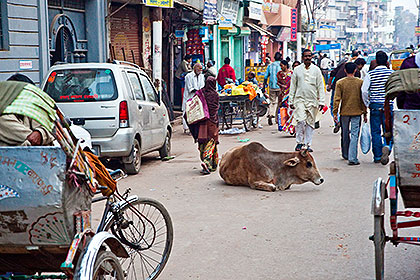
column 226, row 72
column 348, row 93
column 373, row 93
column 274, row 90
column 325, row 66
column 183, row 69
column 193, row 81
column 337, row 74
column 306, row 97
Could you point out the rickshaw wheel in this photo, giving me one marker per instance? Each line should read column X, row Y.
column 379, row 241
column 149, row 248
column 107, row 266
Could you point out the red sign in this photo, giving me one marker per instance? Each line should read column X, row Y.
column 293, row 26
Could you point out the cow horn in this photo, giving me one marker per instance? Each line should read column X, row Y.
column 304, row 152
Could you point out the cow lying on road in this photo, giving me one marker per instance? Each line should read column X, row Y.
column 255, row 166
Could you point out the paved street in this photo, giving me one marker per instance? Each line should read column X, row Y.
column 307, row 232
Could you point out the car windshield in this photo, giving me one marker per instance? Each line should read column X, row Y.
column 81, row 85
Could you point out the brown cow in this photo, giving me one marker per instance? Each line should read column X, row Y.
column 255, row 166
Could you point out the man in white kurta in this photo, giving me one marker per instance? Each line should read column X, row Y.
column 306, row 97
column 193, row 81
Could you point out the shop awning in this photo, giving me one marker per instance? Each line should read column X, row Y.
column 261, row 30
column 188, row 7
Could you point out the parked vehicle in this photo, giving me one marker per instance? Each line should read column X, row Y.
column 119, row 106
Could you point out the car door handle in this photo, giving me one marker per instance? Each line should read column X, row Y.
column 140, row 107
column 153, row 109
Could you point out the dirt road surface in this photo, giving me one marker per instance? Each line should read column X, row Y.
column 307, row 232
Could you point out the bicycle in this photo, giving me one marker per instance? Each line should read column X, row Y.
column 143, row 226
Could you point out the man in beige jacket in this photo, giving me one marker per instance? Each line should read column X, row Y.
column 348, row 94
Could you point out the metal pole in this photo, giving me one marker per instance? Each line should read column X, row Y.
column 418, row 22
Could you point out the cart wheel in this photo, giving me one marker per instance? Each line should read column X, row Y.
column 247, row 115
column 379, row 241
column 107, row 266
column 148, row 238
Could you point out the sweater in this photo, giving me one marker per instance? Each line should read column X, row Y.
column 348, row 92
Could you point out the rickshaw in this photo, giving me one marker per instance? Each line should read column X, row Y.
column 45, row 212
column 403, row 128
column 397, row 57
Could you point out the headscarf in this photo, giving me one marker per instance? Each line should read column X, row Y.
column 212, row 98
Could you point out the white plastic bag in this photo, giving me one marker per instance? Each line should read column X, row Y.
column 194, row 110
column 365, row 138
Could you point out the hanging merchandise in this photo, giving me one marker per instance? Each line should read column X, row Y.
column 195, row 46
column 264, row 43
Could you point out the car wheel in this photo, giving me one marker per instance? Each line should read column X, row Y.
column 134, row 166
column 165, row 151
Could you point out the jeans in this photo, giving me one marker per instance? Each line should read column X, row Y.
column 377, row 128
column 350, row 130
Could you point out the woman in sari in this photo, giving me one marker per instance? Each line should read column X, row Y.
column 206, row 132
column 283, row 80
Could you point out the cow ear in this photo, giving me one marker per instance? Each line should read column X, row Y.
column 292, row 161
column 304, row 153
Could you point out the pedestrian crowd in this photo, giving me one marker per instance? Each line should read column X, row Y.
column 297, row 96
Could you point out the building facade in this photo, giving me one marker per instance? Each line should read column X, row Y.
column 35, row 34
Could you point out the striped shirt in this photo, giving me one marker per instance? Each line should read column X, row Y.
column 373, row 89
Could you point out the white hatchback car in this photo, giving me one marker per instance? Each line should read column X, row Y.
column 119, row 106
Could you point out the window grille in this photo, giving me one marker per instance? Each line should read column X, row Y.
column 74, row 4
column 69, row 4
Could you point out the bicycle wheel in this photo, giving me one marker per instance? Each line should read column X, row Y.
column 379, row 241
column 107, row 266
column 147, row 239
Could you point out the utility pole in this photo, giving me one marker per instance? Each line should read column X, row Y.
column 418, row 22
column 299, row 33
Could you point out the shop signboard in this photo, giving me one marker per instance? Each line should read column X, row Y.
column 160, row 3
column 179, row 33
column 210, row 12
column 225, row 23
column 293, row 26
column 25, row 64
column 328, row 47
column 270, row 7
column 228, row 9
column 255, row 10
column 417, row 31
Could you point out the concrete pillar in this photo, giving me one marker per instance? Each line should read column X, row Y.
column 157, row 44
column 299, row 47
column 216, row 46
column 44, row 48
column 96, row 28
column 285, row 54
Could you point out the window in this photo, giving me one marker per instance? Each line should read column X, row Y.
column 69, row 4
column 148, row 89
column 4, row 26
column 135, row 85
column 81, row 85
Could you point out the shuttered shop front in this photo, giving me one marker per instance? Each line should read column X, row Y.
column 125, row 32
